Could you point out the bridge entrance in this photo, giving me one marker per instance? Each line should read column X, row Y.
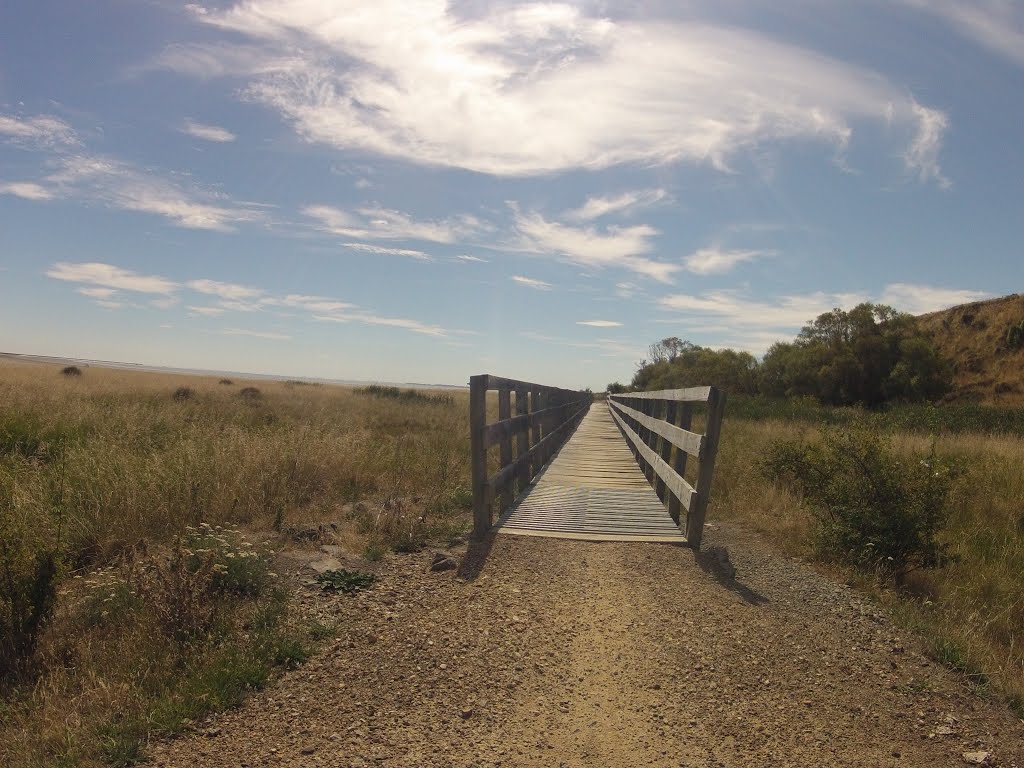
column 592, row 489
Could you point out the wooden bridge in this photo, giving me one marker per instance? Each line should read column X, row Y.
column 571, row 467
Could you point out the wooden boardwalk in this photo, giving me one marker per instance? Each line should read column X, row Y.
column 593, row 490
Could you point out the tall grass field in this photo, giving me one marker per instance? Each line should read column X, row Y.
column 140, row 513
column 138, row 517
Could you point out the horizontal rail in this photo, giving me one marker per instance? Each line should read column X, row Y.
column 676, row 484
column 501, row 430
column 496, row 482
column 544, row 419
column 497, row 382
column 691, row 442
column 659, row 422
column 688, row 395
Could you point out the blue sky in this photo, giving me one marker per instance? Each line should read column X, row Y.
column 415, row 190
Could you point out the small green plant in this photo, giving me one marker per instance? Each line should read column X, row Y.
column 345, row 581
column 872, row 509
column 236, row 569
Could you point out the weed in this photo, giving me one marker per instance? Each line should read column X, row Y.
column 406, row 395
column 251, row 394
column 345, row 581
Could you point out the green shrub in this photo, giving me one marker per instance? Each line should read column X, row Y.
column 1015, row 336
column 345, row 581
column 237, row 567
column 71, row 370
column 183, row 394
column 405, row 395
column 872, row 509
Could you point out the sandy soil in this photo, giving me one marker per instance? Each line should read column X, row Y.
column 562, row 653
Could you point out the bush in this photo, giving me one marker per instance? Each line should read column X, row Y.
column 405, row 395
column 71, row 370
column 251, row 394
column 872, row 509
column 226, row 382
column 181, row 394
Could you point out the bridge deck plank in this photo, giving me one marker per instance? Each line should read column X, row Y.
column 592, row 490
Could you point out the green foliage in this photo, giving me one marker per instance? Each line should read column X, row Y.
column 873, row 509
column 687, row 365
column 404, row 395
column 869, row 355
column 183, row 394
column 28, row 591
column 345, row 581
column 923, row 418
column 615, row 388
column 71, row 370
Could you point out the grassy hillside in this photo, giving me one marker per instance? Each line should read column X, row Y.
column 988, row 356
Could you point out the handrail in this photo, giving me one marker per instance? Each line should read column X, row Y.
column 654, row 423
column 545, row 417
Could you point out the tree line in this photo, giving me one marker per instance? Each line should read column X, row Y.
column 869, row 355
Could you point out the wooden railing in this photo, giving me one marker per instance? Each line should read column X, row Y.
column 545, row 417
column 656, row 422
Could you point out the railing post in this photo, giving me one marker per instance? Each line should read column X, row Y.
column 522, row 439
column 535, row 431
column 478, row 455
column 505, row 412
column 712, row 432
column 669, row 416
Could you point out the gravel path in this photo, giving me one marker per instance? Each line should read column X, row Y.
column 563, row 653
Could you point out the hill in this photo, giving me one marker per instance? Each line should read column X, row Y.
column 987, row 353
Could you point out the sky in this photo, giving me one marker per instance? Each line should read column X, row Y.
column 420, row 190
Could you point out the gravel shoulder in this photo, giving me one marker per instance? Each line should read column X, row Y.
column 564, row 653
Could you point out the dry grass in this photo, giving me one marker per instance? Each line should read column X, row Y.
column 971, row 611
column 112, row 463
column 974, row 337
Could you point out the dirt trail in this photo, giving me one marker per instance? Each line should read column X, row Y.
column 566, row 653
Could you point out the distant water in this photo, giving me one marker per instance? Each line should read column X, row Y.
column 84, row 363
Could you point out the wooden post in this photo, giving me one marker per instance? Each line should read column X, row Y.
column 505, row 412
column 535, row 432
column 478, row 455
column 522, row 438
column 669, row 416
column 706, row 471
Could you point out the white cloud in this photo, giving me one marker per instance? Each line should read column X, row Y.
column 120, row 185
column 206, row 311
column 600, row 323
column 165, row 303
column 256, row 334
column 786, row 312
column 529, row 282
column 224, row 290
column 920, row 299
column 621, row 247
column 596, row 207
column 922, row 157
column 995, row 24
column 367, row 318
column 377, row 223
column 207, row 132
column 383, row 251
column 107, row 304
column 37, row 132
column 466, row 258
column 98, row 292
column 607, row 347
column 109, row 276
column 26, row 189
column 499, row 91
column 317, row 304
column 712, row 261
